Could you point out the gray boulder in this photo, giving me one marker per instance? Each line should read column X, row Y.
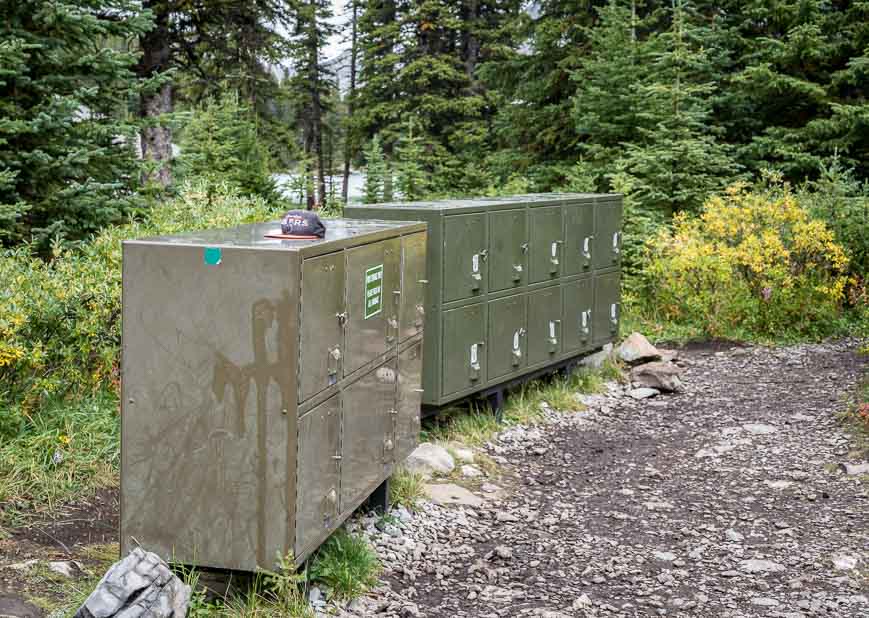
column 637, row 349
column 139, row 585
column 658, row 375
column 428, row 459
column 596, row 360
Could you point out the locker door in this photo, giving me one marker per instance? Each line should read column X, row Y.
column 413, row 287
column 318, row 473
column 507, row 336
column 407, row 422
column 578, row 238
column 607, row 308
column 508, row 249
column 579, row 314
column 544, row 325
column 464, row 353
column 373, row 277
column 546, row 243
column 607, row 235
column 367, row 435
column 465, row 251
column 322, row 332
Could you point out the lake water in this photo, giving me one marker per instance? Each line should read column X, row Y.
column 357, row 185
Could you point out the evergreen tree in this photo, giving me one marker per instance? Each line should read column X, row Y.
column 220, row 144
column 67, row 161
column 312, row 83
column 375, row 172
column 410, row 178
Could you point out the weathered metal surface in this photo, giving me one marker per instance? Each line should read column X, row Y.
column 508, row 249
column 413, row 286
column 407, row 421
column 464, row 358
column 546, row 243
column 579, row 314
column 319, row 473
column 607, row 307
column 569, row 235
column 507, row 337
column 368, row 450
column 545, row 325
column 322, row 351
column 226, row 335
column 208, row 365
column 465, row 265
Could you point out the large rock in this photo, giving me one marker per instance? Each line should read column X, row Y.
column 451, row 494
column 139, row 585
column 637, row 349
column 428, row 459
column 658, row 375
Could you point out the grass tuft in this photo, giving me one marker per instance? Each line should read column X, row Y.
column 406, row 488
column 346, row 564
column 70, row 450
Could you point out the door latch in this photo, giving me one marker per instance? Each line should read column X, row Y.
column 617, row 244
column 334, row 364
column 517, row 272
column 585, row 324
column 554, row 325
column 342, row 317
column 586, row 249
column 553, row 255
column 517, row 346
column 475, row 367
column 391, row 329
column 614, row 317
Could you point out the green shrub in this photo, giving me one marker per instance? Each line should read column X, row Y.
column 60, row 319
column 346, row 564
column 754, row 264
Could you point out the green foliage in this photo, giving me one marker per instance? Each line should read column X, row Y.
column 60, row 319
column 410, row 179
column 346, row 564
column 67, row 165
column 406, row 488
column 754, row 265
column 220, row 146
column 375, row 172
column 68, row 450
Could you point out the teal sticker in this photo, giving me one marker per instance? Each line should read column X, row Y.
column 212, row 256
column 373, row 291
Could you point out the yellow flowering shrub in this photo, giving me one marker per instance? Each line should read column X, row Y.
column 754, row 264
column 60, row 319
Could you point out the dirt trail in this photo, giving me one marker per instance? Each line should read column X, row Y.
column 722, row 501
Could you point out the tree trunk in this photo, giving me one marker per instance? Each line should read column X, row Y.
column 316, row 105
column 348, row 149
column 156, row 136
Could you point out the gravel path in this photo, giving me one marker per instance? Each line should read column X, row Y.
column 722, row 501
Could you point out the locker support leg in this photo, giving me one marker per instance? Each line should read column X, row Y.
column 378, row 501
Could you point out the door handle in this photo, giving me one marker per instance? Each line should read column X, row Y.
column 517, row 272
column 586, row 248
column 615, row 309
column 617, row 244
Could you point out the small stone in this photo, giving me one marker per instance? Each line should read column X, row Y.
column 489, row 488
column 764, row 602
column 759, row 429
column 67, row 568
column 854, row 469
column 778, row 484
column 503, row 552
column 643, row 393
column 636, row 348
column 450, row 493
column 842, row 562
column 582, row 602
column 315, row 595
column 658, row 375
column 471, row 472
column 761, row 566
column 428, row 459
column 666, row 556
column 597, row 360
column 733, row 535
column 504, row 516
column 463, row 454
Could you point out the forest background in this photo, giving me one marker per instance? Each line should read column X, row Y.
column 737, row 131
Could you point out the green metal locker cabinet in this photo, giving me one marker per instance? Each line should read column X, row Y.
column 269, row 386
column 515, row 285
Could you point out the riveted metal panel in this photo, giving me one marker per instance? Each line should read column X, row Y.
column 607, row 307
column 465, row 268
column 464, row 353
column 578, row 237
column 507, row 340
column 413, row 285
column 373, row 277
column 508, row 249
column 544, row 325
column 579, row 314
column 321, row 353
column 208, row 403
column 368, row 433
column 407, row 422
column 607, row 233
column 546, row 243
column 318, row 483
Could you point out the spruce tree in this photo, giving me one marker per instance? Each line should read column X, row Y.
column 67, row 148
column 375, row 172
column 410, row 177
